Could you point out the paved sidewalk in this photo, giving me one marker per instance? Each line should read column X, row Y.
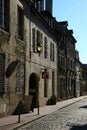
column 11, row 122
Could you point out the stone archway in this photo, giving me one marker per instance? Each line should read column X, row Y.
column 33, row 88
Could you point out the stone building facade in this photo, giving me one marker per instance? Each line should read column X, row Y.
column 66, row 60
column 28, row 51
column 37, row 56
column 83, row 79
column 78, row 76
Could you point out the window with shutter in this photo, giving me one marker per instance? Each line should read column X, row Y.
column 45, row 83
column 45, row 47
column 38, row 38
column 41, row 39
column 34, row 40
column 51, row 51
column 20, row 23
column 6, row 13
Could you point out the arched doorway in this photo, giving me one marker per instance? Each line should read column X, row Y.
column 33, row 88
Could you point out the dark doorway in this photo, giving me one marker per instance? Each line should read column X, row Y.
column 33, row 88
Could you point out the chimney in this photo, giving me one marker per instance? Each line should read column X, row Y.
column 49, row 4
column 42, row 5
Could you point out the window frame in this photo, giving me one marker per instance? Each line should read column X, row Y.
column 52, row 52
column 45, row 47
column 34, row 40
column 20, row 21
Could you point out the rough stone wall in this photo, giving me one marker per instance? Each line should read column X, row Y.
column 16, row 49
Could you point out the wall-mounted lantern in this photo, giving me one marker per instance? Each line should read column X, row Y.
column 39, row 48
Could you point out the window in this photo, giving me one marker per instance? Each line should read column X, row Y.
column 41, row 39
column 60, row 92
column 2, row 71
column 34, row 40
column 4, row 14
column 45, row 47
column 45, row 83
column 60, row 61
column 36, row 4
column 67, row 62
column 20, row 23
column 52, row 51
column 37, row 39
column 63, row 62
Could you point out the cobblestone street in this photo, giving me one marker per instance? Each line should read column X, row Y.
column 72, row 117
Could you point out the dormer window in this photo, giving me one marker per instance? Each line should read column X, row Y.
column 36, row 4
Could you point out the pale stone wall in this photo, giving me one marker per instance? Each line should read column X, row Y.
column 19, row 50
column 38, row 62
